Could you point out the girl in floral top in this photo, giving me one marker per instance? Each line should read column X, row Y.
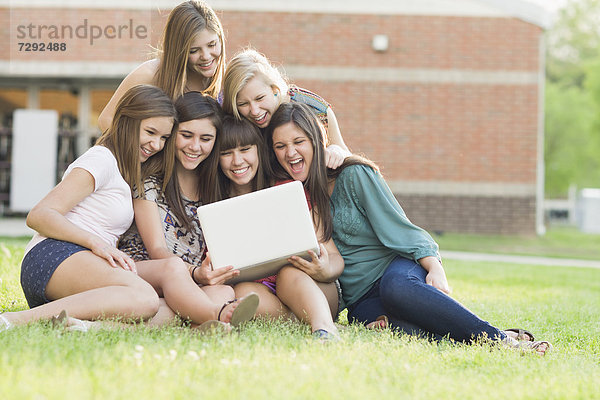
column 166, row 224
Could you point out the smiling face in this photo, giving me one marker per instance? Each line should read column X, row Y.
column 293, row 150
column 194, row 142
column 240, row 165
column 204, row 54
column 257, row 102
column 154, row 132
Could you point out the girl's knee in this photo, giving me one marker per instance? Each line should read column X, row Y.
column 289, row 274
column 173, row 266
column 143, row 298
column 244, row 288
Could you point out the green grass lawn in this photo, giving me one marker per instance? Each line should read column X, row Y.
column 563, row 242
column 280, row 360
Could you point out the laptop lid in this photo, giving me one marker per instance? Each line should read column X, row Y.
column 257, row 232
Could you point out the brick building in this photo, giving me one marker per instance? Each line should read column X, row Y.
column 445, row 95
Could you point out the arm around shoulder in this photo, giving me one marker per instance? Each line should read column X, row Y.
column 333, row 130
column 143, row 74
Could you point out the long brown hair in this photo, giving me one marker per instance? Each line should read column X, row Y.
column 318, row 174
column 316, row 182
column 240, row 133
column 123, row 137
column 192, row 106
column 183, row 24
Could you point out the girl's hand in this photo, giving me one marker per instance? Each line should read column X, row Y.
column 206, row 275
column 437, row 279
column 316, row 268
column 335, row 156
column 115, row 257
column 436, row 276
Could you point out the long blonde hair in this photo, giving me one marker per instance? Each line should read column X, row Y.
column 244, row 66
column 123, row 137
column 183, row 24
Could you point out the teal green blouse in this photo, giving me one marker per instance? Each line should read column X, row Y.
column 370, row 229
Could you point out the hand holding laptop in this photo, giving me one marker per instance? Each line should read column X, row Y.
column 314, row 267
column 259, row 232
column 207, row 275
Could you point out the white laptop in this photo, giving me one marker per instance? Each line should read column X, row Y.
column 257, row 232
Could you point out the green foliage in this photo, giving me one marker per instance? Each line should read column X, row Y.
column 280, row 359
column 573, row 39
column 572, row 120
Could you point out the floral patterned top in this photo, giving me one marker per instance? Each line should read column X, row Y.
column 188, row 245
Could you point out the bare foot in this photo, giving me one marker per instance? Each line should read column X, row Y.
column 380, row 323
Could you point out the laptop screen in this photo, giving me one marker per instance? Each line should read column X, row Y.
column 259, row 231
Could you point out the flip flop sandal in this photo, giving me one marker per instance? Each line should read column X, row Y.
column 77, row 325
column 522, row 334
column 244, row 311
column 70, row 324
column 528, row 346
column 381, row 322
column 60, row 320
column 325, row 336
column 214, row 326
column 533, row 346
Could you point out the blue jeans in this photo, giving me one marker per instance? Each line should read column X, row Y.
column 414, row 307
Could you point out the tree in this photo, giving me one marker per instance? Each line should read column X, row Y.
column 572, row 118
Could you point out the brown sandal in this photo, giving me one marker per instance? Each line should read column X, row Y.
column 522, row 334
column 527, row 345
column 244, row 311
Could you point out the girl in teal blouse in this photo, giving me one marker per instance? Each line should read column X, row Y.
column 392, row 270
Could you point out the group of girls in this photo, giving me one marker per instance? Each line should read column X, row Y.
column 173, row 156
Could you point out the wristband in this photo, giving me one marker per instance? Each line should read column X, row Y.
column 194, row 279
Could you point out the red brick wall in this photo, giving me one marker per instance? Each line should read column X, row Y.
column 416, row 131
column 415, row 41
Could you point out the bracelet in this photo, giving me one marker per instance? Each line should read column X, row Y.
column 194, row 279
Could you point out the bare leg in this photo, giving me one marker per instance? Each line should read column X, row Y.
column 219, row 294
column 331, row 294
column 270, row 306
column 164, row 316
column 302, row 295
column 171, row 278
column 89, row 288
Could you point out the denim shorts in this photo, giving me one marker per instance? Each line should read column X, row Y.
column 39, row 265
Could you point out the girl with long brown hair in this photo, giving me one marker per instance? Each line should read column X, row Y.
column 190, row 58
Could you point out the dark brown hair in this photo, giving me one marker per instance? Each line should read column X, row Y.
column 318, row 174
column 239, row 133
column 192, row 106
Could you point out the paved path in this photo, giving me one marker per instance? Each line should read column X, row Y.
column 16, row 227
column 514, row 259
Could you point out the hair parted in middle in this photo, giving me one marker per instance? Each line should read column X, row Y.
column 319, row 175
column 316, row 183
column 192, row 106
column 123, row 137
column 183, row 24
column 244, row 66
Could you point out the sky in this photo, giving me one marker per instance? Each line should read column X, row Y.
column 550, row 5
